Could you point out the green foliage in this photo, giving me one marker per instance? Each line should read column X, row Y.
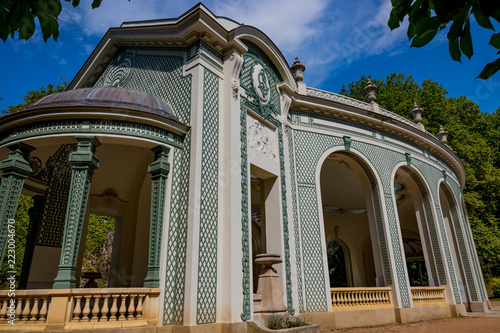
column 417, row 273
column 277, row 322
column 98, row 246
column 22, row 225
column 19, row 16
column 474, row 136
column 336, row 265
column 496, row 288
column 35, row 95
column 427, row 17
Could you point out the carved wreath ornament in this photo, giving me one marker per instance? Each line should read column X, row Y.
column 261, row 139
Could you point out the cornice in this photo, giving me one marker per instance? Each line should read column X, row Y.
column 345, row 108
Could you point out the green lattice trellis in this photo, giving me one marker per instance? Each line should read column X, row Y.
column 207, row 258
column 163, row 77
column 263, row 98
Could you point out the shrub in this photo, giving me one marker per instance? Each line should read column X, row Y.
column 496, row 288
column 276, row 322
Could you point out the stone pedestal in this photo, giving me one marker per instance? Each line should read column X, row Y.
column 269, row 288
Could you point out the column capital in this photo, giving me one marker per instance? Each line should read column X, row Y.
column 18, row 161
column 84, row 156
column 161, row 165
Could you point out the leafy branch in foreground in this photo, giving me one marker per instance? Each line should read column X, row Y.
column 427, row 17
column 19, row 16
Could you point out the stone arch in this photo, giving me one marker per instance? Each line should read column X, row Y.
column 460, row 255
column 415, row 190
column 372, row 185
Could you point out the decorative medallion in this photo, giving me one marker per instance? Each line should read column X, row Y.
column 260, row 85
column 120, row 70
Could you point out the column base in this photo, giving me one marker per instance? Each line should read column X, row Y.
column 65, row 279
column 152, row 279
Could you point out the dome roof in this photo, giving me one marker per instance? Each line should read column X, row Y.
column 106, row 97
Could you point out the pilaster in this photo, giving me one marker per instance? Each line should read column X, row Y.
column 83, row 163
column 159, row 170
column 15, row 170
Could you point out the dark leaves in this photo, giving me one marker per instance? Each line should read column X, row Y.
column 20, row 16
column 427, row 17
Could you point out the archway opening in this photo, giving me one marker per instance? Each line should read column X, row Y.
column 349, row 224
column 452, row 223
column 413, row 222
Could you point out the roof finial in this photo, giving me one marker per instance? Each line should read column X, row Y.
column 417, row 116
column 443, row 135
column 370, row 90
column 298, row 69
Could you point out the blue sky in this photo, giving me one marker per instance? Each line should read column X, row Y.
column 337, row 41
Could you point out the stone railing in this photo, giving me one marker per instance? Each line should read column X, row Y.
column 24, row 307
column 81, row 308
column 361, row 298
column 423, row 296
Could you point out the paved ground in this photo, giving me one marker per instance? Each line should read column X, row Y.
column 474, row 322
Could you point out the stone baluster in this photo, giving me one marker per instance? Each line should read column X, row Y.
column 26, row 310
column 131, row 308
column 86, row 308
column 78, row 309
column 105, row 309
column 43, row 310
column 114, row 308
column 34, row 310
column 139, row 307
column 19, row 307
column 123, row 307
column 95, row 308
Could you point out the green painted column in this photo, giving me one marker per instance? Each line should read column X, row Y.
column 159, row 170
column 83, row 163
column 15, row 170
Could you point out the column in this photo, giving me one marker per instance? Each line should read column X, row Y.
column 15, row 170
column 159, row 170
column 83, row 163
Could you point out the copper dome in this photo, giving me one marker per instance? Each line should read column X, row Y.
column 106, row 97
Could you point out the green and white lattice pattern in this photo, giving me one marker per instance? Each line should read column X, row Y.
column 162, row 76
column 308, row 147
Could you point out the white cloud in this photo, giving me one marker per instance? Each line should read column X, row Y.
column 327, row 35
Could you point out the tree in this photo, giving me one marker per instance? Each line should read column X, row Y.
column 474, row 135
column 22, row 222
column 427, row 17
column 19, row 16
column 35, row 95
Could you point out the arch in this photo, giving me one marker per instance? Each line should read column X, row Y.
column 372, row 186
column 458, row 248
column 416, row 196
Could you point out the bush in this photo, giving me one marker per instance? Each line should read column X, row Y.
column 276, row 322
column 496, row 288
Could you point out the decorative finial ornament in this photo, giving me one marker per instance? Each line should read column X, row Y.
column 370, row 90
column 443, row 135
column 298, row 69
column 417, row 116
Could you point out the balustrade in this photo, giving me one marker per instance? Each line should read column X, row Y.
column 29, row 308
column 352, row 298
column 107, row 307
column 423, row 296
column 79, row 308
